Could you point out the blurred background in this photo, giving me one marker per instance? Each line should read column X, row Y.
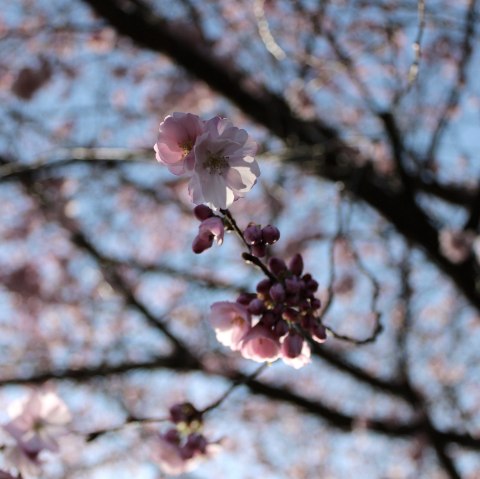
column 367, row 116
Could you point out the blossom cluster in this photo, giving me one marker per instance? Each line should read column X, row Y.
column 217, row 157
column 182, row 446
column 273, row 322
column 36, row 424
column 278, row 320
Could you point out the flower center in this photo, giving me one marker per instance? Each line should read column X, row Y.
column 215, row 164
column 186, row 147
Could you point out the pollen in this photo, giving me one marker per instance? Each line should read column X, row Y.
column 215, row 164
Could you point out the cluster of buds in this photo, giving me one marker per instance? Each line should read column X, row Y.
column 182, row 445
column 211, row 228
column 258, row 238
column 36, row 424
column 273, row 322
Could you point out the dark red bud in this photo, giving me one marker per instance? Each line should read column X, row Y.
column 270, row 234
column 277, row 266
column 296, row 265
column 259, row 250
column 256, row 306
column 252, row 234
column 202, row 212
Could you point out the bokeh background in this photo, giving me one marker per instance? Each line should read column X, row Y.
column 367, row 117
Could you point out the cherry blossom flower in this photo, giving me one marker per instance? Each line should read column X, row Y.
column 37, row 422
column 260, row 344
column 225, row 169
column 290, row 353
column 231, row 322
column 176, row 139
column 183, row 446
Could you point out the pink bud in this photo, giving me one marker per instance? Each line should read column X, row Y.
column 256, row 306
column 277, row 293
column 319, row 333
column 172, row 436
column 293, row 285
column 281, row 328
column 202, row 243
column 277, row 266
column 253, row 234
column 292, row 345
column 245, row 298
column 259, row 250
column 290, row 315
column 312, row 285
column 202, row 212
column 316, row 303
column 296, row 265
column 270, row 234
column 263, row 287
column 197, row 442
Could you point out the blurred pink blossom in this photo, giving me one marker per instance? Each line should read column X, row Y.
column 225, row 169
column 176, row 139
column 456, row 245
column 231, row 322
column 37, row 422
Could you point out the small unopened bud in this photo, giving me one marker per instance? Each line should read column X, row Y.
column 263, row 287
column 184, row 412
column 252, row 234
column 277, row 293
column 245, row 298
column 197, row 442
column 270, row 234
column 281, row 328
column 277, row 266
column 292, row 345
column 201, row 243
column 256, row 306
column 290, row 315
column 318, row 332
column 296, row 265
column 202, row 212
column 259, row 250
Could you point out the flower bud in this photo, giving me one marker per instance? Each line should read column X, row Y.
column 270, row 234
column 277, row 293
column 292, row 345
column 245, row 298
column 312, row 285
column 318, row 332
column 290, row 315
column 256, row 306
column 197, row 442
column 259, row 250
column 201, row 243
column 252, row 234
column 293, row 285
column 184, row 412
column 202, row 212
column 277, row 266
column 281, row 328
column 296, row 265
column 263, row 287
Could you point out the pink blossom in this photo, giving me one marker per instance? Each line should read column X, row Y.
column 301, row 360
column 37, row 421
column 231, row 322
column 225, row 169
column 176, row 454
column 27, row 464
column 456, row 245
column 260, row 344
column 209, row 230
column 176, row 139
